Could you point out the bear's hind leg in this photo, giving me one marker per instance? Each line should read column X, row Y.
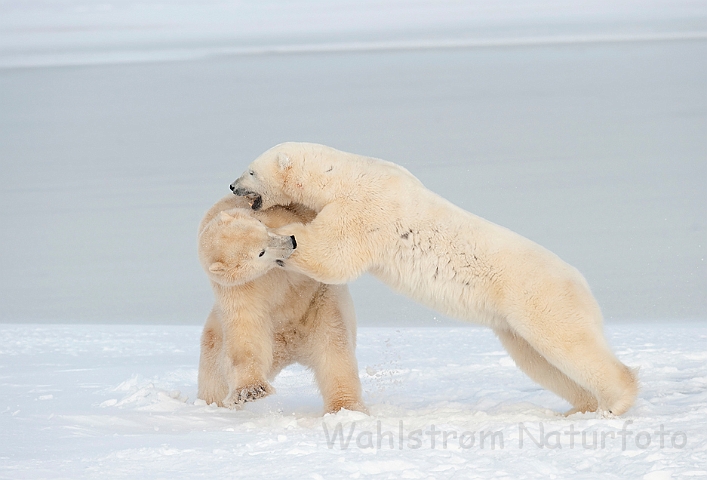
column 332, row 351
column 576, row 347
column 547, row 375
column 336, row 371
column 212, row 386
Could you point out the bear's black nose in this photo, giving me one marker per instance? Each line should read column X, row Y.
column 233, row 187
column 294, row 242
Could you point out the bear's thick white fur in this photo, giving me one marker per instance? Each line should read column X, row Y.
column 266, row 318
column 375, row 216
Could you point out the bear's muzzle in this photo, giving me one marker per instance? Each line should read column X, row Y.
column 255, row 200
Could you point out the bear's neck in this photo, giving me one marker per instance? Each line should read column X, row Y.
column 314, row 193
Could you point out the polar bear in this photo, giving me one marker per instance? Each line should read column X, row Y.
column 375, row 216
column 266, row 318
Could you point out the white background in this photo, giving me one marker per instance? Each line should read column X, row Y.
column 581, row 127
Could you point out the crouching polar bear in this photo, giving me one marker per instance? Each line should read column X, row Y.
column 266, row 318
column 375, row 216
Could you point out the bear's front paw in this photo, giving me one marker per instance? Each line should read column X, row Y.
column 248, row 393
column 289, row 230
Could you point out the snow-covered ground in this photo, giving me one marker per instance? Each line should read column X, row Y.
column 119, row 402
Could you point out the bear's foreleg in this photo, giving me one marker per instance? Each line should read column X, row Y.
column 332, row 249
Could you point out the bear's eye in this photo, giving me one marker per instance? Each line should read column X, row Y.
column 261, row 253
column 251, row 173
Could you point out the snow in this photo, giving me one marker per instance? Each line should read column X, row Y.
column 119, row 401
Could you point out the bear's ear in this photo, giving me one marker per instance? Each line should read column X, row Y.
column 217, row 267
column 283, row 161
column 225, row 217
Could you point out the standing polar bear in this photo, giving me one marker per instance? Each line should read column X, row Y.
column 266, row 318
column 375, row 216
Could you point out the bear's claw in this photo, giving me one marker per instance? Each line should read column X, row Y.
column 250, row 393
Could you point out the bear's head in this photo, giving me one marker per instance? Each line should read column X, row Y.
column 235, row 248
column 289, row 173
column 265, row 181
